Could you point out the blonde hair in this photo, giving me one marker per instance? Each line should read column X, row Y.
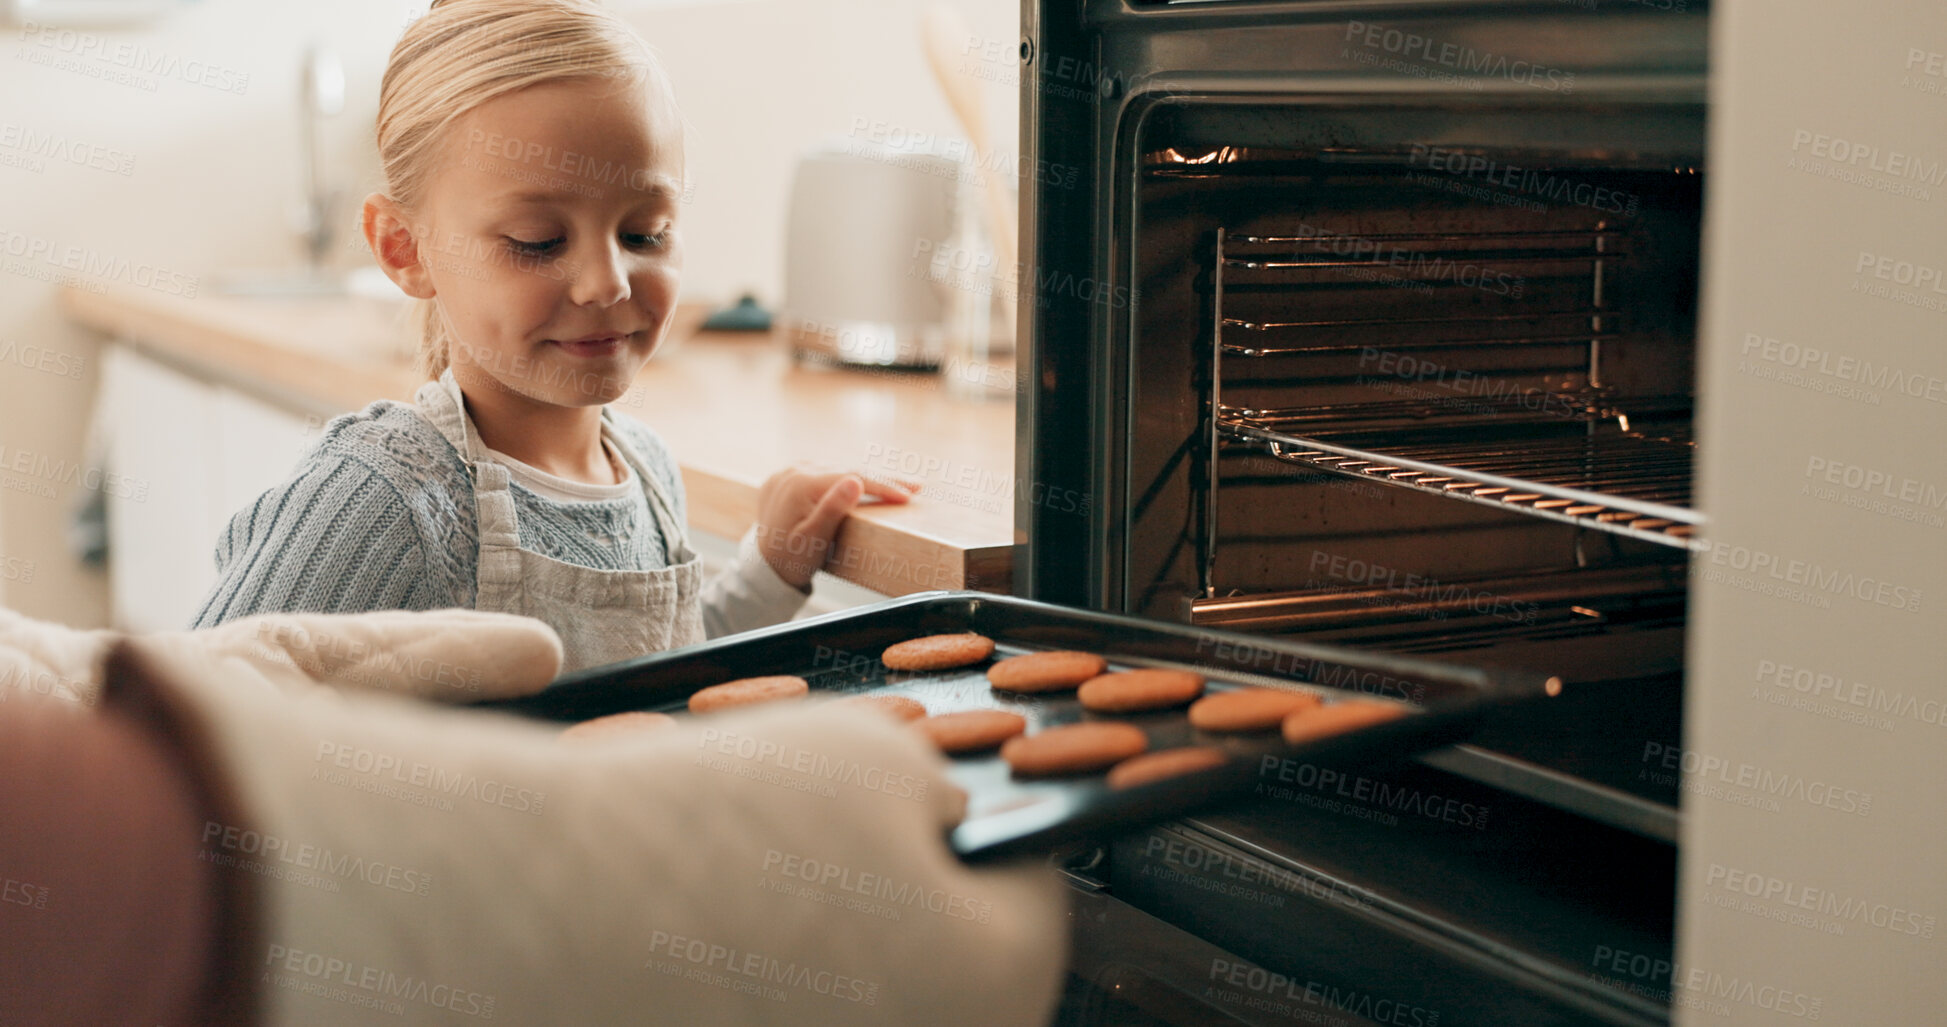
column 463, row 53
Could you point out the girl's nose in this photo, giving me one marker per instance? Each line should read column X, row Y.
column 602, row 280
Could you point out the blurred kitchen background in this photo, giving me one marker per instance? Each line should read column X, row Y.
column 197, row 171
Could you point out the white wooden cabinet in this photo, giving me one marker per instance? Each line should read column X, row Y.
column 204, row 450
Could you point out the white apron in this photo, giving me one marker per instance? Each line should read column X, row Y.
column 602, row 616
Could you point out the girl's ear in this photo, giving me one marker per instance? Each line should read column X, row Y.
column 395, row 245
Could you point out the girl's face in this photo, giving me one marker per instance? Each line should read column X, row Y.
column 550, row 240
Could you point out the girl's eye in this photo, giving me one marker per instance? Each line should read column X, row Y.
column 651, row 242
column 533, row 248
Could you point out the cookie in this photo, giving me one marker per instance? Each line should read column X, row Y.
column 616, row 727
column 1248, row 709
column 1156, row 766
column 899, row 707
column 971, row 730
column 1338, row 718
column 745, row 691
column 938, row 652
column 1045, row 672
column 1074, row 748
column 1131, row 691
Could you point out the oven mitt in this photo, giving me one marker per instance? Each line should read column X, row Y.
column 454, row 655
column 418, row 864
column 43, row 661
column 451, row 655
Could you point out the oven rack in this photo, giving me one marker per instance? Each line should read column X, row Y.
column 1581, row 406
column 1432, row 615
column 1598, row 325
column 1624, row 483
column 1545, row 246
column 1574, row 460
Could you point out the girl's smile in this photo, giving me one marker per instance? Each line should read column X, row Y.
column 595, row 346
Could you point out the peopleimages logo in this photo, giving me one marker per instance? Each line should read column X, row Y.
column 1799, row 580
column 1413, row 267
column 130, row 60
column 1892, row 163
column 64, row 149
column 1792, row 897
column 272, row 853
column 1835, row 372
column 1926, row 707
column 1480, row 63
column 362, row 984
column 1778, row 784
column 875, row 886
column 427, row 785
column 1519, row 180
column 1662, row 979
column 1355, row 573
column 1366, row 793
column 1373, row 1008
column 754, row 972
column 1901, row 281
column 811, row 767
column 33, row 250
column 1466, row 384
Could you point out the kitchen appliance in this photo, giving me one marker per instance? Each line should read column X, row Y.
column 883, row 259
column 1374, row 324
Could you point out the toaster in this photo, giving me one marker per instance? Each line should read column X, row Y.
column 885, row 261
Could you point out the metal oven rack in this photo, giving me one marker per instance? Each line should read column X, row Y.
column 1584, row 462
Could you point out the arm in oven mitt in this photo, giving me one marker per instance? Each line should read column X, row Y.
column 40, row 661
column 451, row 655
column 416, row 864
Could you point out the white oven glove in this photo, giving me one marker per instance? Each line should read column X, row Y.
column 41, row 661
column 451, row 655
column 454, row 655
column 425, row 865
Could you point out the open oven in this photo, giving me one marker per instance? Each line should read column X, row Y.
column 1374, row 323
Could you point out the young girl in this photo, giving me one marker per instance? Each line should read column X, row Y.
column 533, row 158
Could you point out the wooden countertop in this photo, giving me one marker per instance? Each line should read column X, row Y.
column 733, row 408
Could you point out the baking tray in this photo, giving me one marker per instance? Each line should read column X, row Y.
column 838, row 654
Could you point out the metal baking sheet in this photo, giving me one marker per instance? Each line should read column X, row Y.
column 1009, row 816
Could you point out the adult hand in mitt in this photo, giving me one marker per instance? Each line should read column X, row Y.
column 414, row 864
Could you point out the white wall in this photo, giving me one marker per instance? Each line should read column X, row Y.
column 212, row 175
column 1832, row 902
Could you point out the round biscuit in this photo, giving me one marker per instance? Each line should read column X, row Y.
column 1049, row 671
column 1132, row 691
column 1074, row 748
column 1165, row 763
column 616, row 727
column 1248, row 709
column 746, row 691
column 902, row 708
column 938, row 652
column 1338, row 718
column 970, row 730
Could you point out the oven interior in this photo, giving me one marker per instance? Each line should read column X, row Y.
column 1421, row 379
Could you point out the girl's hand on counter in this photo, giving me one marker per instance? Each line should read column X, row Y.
column 799, row 510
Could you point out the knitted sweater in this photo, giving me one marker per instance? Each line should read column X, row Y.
column 379, row 515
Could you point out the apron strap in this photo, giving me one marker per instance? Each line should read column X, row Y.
column 676, row 546
column 444, row 405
